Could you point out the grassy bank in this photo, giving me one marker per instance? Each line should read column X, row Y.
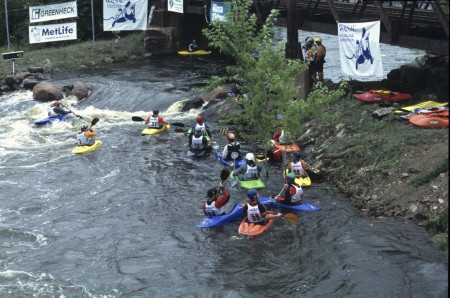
column 70, row 58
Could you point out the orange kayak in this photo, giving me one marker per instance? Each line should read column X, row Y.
column 251, row 229
column 433, row 119
column 287, row 147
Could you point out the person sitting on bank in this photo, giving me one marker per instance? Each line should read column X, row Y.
column 249, row 171
column 86, row 137
column 216, row 201
column 155, row 121
column 231, row 147
column 56, row 110
column 193, row 46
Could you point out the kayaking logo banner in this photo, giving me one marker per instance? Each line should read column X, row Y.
column 359, row 47
column 123, row 15
column 219, row 10
column 52, row 32
column 175, row 6
column 53, row 12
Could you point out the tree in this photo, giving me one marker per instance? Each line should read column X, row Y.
column 266, row 76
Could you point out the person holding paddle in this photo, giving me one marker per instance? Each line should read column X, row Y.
column 255, row 212
column 155, row 121
column 216, row 201
column 249, row 171
column 86, row 137
column 56, row 110
column 293, row 193
column 297, row 166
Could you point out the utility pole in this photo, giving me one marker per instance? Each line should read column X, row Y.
column 93, row 24
column 7, row 26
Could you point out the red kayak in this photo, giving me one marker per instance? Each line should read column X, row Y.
column 287, row 147
column 373, row 96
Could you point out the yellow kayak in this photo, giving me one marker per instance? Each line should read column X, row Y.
column 423, row 105
column 86, row 149
column 199, row 52
column 155, row 131
column 302, row 181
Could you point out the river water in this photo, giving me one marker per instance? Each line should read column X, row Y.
column 121, row 221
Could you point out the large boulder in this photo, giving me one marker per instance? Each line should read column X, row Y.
column 218, row 93
column 45, row 91
column 79, row 89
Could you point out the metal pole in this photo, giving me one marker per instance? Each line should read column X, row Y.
column 93, row 29
column 7, row 27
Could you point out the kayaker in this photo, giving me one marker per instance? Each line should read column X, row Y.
column 281, row 137
column 297, row 166
column 249, row 171
column 320, row 58
column 293, row 193
column 193, row 46
column 198, row 142
column 310, row 50
column 56, row 110
column 86, row 137
column 231, row 147
column 155, row 121
column 216, row 199
column 202, row 125
column 274, row 154
column 254, row 211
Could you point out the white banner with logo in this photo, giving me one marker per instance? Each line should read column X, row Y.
column 53, row 32
column 123, row 15
column 219, row 10
column 175, row 6
column 359, row 47
column 53, row 12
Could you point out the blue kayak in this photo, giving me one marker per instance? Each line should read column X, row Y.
column 53, row 119
column 301, row 207
column 237, row 164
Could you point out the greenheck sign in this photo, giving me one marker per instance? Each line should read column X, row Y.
column 12, row 55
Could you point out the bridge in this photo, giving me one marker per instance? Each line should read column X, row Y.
column 412, row 24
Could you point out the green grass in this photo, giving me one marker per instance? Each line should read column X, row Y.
column 424, row 179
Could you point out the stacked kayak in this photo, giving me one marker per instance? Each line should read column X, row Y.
column 155, row 131
column 429, row 119
column 49, row 120
column 423, row 105
column 251, row 229
column 237, row 163
column 374, row 96
column 248, row 184
column 86, row 149
column 292, row 147
column 199, row 52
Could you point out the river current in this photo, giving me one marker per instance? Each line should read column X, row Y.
column 121, row 220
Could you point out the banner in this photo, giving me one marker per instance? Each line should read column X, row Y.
column 122, row 15
column 175, row 6
column 359, row 48
column 219, row 10
column 53, row 12
column 54, row 32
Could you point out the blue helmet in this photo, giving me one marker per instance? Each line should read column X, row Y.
column 251, row 193
column 290, row 177
column 296, row 154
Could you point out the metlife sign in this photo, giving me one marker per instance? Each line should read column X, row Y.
column 55, row 32
column 53, row 12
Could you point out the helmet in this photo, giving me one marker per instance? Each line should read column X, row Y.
column 318, row 39
column 84, row 127
column 156, row 112
column 251, row 193
column 296, row 154
column 309, row 40
column 56, row 104
column 230, row 136
column 199, row 118
column 290, row 177
column 211, row 192
column 250, row 156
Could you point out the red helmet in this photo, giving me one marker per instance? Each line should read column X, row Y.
column 199, row 118
column 56, row 104
column 230, row 136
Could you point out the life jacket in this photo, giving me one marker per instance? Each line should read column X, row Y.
column 202, row 126
column 297, row 169
column 298, row 196
column 253, row 214
column 252, row 172
column 211, row 210
column 51, row 113
column 153, row 122
column 320, row 53
column 83, row 141
column 233, row 147
column 197, row 143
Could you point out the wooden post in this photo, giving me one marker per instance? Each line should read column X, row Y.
column 292, row 50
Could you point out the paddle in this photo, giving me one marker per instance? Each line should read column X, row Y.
column 140, row 119
column 71, row 111
column 94, row 121
column 224, row 174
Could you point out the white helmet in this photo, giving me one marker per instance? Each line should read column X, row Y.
column 250, row 156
